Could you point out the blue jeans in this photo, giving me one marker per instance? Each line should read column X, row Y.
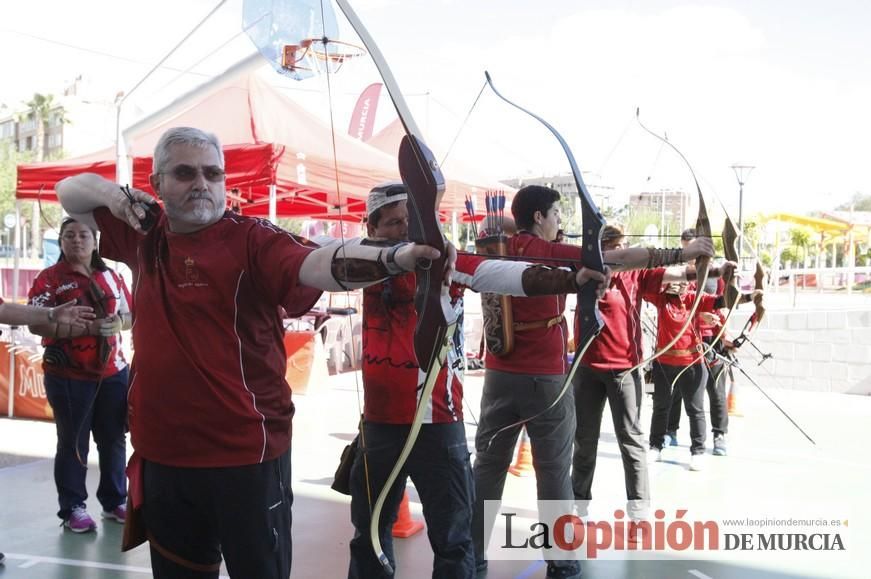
column 79, row 409
column 440, row 468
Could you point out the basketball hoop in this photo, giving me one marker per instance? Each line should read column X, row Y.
column 316, row 55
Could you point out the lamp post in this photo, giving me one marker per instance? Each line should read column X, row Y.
column 742, row 172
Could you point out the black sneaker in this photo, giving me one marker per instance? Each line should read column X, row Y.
column 719, row 445
column 572, row 571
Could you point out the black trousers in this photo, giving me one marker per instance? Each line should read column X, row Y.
column 716, row 387
column 440, row 468
column 691, row 387
column 197, row 515
column 624, row 395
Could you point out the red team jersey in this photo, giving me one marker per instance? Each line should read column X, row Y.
column 60, row 284
column 207, row 386
column 618, row 345
column 705, row 329
column 538, row 350
column 672, row 313
column 390, row 370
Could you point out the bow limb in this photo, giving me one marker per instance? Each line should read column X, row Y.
column 703, row 229
column 758, row 301
column 759, row 284
column 731, row 294
column 436, row 321
column 591, row 257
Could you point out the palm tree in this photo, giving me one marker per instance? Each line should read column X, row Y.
column 800, row 239
column 40, row 109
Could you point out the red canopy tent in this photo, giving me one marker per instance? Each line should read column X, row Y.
column 247, row 166
column 270, row 140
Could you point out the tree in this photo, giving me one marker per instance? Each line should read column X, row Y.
column 859, row 202
column 40, row 109
column 800, row 241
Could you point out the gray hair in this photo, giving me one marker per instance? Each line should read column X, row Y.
column 183, row 136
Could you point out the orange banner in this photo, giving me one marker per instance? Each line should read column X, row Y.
column 30, row 400
column 300, row 347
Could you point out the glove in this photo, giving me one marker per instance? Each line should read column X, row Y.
column 110, row 326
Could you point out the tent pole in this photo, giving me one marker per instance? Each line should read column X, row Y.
column 273, row 203
column 10, row 406
column 120, row 147
column 16, row 261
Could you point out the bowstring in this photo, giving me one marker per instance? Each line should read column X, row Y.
column 339, row 197
column 665, row 141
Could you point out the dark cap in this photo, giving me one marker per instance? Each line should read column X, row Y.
column 688, row 234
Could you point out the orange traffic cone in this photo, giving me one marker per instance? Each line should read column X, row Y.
column 405, row 526
column 523, row 465
column 732, row 401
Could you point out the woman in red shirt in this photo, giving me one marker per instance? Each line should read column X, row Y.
column 85, row 375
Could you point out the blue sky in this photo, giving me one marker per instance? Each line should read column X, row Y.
column 780, row 85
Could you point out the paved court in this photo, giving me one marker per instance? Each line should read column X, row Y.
column 769, row 461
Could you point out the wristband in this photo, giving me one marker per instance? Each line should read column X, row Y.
column 390, row 264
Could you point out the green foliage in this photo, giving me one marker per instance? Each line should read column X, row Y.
column 751, row 232
column 859, row 202
column 292, row 225
column 9, row 159
column 789, row 255
column 639, row 220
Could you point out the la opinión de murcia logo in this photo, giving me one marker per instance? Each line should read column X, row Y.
column 565, row 535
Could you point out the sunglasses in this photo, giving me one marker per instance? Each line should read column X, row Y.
column 187, row 173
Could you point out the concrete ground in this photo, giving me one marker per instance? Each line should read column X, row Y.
column 769, row 463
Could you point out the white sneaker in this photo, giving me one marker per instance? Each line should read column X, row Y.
column 654, row 455
column 697, row 462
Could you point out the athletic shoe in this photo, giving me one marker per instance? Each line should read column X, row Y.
column 654, row 454
column 719, row 445
column 118, row 514
column 697, row 462
column 670, row 438
column 572, row 571
column 80, row 521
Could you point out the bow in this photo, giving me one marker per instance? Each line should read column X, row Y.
column 756, row 318
column 591, row 257
column 759, row 284
column 731, row 294
column 436, row 320
column 703, row 229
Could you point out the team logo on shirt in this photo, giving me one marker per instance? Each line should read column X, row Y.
column 190, row 272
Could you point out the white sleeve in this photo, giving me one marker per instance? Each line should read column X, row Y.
column 495, row 276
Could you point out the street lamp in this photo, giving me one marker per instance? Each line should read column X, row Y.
column 742, row 172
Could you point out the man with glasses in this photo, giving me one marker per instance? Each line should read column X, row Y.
column 210, row 410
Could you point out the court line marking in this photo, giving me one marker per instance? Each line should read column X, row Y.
column 31, row 560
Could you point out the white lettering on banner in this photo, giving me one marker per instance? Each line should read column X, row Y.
column 31, row 382
column 364, row 114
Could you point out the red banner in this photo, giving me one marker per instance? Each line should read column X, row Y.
column 363, row 117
